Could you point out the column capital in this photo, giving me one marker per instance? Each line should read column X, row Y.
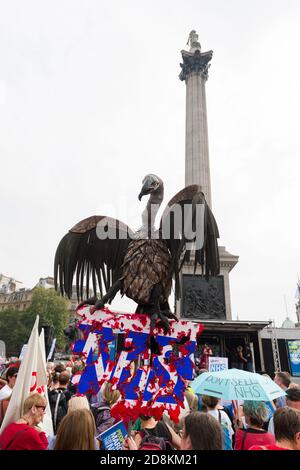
column 197, row 62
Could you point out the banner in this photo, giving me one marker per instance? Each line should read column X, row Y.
column 294, row 356
column 163, row 363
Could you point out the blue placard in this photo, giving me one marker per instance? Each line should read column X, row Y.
column 113, row 438
column 294, row 356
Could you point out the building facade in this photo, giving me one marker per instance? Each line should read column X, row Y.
column 13, row 294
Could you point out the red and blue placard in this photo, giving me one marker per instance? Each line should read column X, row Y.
column 162, row 371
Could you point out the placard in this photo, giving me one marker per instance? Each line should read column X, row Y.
column 215, row 364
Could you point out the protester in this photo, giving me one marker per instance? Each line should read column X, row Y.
column 58, row 368
column 240, row 358
column 293, row 397
column 283, row 380
column 76, row 369
column 76, row 431
column 292, row 400
column 294, row 385
column 3, row 408
column 53, row 380
column 201, row 431
column 24, row 434
column 255, row 413
column 205, row 354
column 287, row 430
column 213, row 408
column 102, row 410
column 249, row 358
column 149, row 426
column 58, row 399
column 200, row 406
column 6, row 390
column 192, row 400
column 11, row 377
column 78, row 403
column 50, row 367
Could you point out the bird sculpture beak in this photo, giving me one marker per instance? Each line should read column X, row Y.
column 146, row 189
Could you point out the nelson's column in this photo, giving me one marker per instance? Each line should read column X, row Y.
column 201, row 299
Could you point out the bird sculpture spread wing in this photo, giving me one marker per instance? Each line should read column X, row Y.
column 181, row 241
column 82, row 253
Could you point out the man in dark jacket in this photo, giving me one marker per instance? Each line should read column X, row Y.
column 58, row 399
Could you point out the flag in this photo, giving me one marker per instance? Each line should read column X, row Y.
column 297, row 294
column 31, row 377
column 47, row 424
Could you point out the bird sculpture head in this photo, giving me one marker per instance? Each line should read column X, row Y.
column 151, row 184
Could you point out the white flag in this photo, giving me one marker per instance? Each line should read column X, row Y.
column 46, row 425
column 31, row 377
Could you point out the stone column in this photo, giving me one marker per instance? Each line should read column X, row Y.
column 201, row 299
column 195, row 73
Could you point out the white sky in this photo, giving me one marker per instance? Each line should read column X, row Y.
column 90, row 102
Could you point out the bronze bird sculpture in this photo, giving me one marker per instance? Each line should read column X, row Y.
column 105, row 253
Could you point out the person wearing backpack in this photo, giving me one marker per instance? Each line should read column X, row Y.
column 155, row 435
column 102, row 410
column 213, row 408
column 58, row 399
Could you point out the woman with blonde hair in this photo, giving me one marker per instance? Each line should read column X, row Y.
column 109, row 395
column 78, row 403
column 76, row 431
column 25, row 434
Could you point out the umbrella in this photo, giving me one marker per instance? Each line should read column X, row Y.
column 236, row 384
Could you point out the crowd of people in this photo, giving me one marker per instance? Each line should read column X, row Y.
column 206, row 422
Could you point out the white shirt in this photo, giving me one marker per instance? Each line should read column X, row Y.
column 224, row 419
column 5, row 392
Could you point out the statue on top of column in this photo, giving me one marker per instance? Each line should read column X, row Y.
column 193, row 40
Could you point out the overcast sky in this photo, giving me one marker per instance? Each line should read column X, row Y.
column 90, row 102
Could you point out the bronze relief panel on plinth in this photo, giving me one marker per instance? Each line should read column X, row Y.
column 203, row 299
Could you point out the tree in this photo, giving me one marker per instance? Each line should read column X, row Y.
column 53, row 311
column 13, row 331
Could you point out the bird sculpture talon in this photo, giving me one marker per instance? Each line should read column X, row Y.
column 97, row 306
column 164, row 323
column 90, row 301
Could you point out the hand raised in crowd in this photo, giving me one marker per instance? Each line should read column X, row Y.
column 129, row 444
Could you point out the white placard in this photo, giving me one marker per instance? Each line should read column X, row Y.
column 216, row 364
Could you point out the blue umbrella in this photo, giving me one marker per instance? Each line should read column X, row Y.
column 236, row 384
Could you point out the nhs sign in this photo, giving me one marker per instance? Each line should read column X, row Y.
column 216, row 364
